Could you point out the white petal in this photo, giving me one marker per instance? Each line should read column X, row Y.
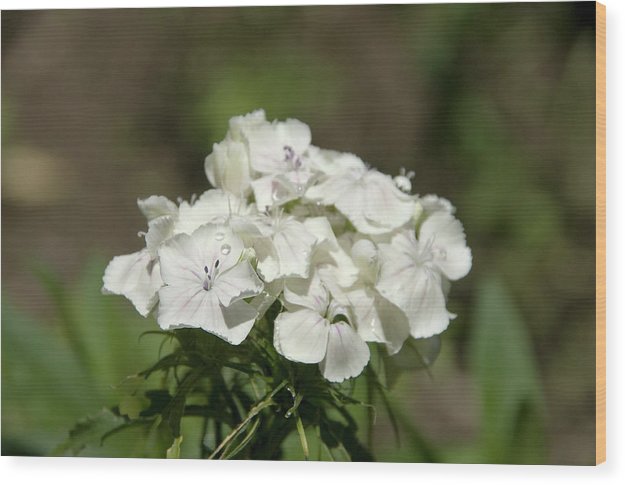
column 398, row 267
column 228, row 167
column 159, row 230
column 333, row 188
column 135, row 276
column 364, row 253
column 185, row 306
column 293, row 245
column 414, row 287
column 309, row 293
column 238, row 123
column 422, row 301
column 156, row 206
column 239, row 319
column 194, row 307
column 378, row 320
column 270, row 190
column 268, row 263
column 331, row 162
column 280, row 188
column 329, row 252
column 386, row 205
column 347, row 354
column 451, row 253
column 184, row 257
column 238, row 282
column 433, row 203
column 267, row 297
column 369, row 200
column 394, row 327
column 267, row 143
column 301, row 336
column 181, row 261
column 214, row 206
column 428, row 316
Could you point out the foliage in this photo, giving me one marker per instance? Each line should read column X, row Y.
column 191, row 404
column 248, row 399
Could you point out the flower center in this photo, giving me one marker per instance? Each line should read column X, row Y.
column 209, row 275
column 429, row 252
column 291, row 158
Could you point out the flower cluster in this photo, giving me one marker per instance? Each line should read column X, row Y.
column 349, row 253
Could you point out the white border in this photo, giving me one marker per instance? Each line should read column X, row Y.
column 105, row 471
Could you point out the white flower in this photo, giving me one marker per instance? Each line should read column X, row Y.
column 135, row 276
column 157, row 206
column 377, row 319
column 238, row 124
column 214, row 206
column 328, row 255
column 285, row 249
column 368, row 198
column 349, row 252
column 206, row 281
column 228, row 166
column 277, row 153
column 412, row 271
column 433, row 203
column 306, row 333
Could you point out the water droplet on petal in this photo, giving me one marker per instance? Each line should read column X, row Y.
column 225, row 249
column 219, row 236
column 299, row 189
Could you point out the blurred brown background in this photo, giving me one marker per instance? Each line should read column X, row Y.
column 491, row 105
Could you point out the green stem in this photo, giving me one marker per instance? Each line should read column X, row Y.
column 370, row 410
column 256, row 409
column 302, row 437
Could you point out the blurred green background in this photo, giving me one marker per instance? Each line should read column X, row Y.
column 491, row 105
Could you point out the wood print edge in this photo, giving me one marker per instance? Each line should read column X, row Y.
column 600, row 270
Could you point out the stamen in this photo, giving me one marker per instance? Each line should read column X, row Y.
column 206, row 269
column 288, row 153
column 216, row 264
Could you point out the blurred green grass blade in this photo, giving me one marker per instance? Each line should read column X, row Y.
column 109, row 328
column 56, row 372
column 45, row 388
column 503, row 363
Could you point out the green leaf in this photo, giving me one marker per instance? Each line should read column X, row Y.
column 174, row 410
column 89, row 431
column 503, row 361
column 414, row 354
